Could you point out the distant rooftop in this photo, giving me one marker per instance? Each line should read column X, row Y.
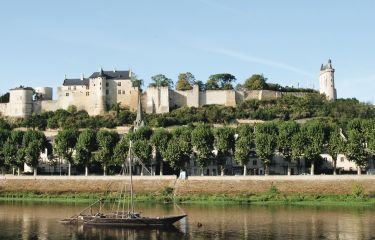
column 22, row 88
column 118, row 75
column 76, row 82
column 112, row 74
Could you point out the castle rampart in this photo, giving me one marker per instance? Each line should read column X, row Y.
column 103, row 89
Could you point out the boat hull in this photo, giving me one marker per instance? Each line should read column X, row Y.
column 134, row 222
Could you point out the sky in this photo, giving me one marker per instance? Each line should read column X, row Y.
column 286, row 41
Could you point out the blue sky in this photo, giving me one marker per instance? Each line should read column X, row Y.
column 287, row 41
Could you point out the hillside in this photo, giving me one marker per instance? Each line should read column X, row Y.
column 287, row 107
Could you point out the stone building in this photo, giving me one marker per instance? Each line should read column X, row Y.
column 97, row 93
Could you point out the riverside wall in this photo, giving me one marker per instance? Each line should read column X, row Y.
column 214, row 185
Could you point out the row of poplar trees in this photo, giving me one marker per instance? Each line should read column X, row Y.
column 293, row 141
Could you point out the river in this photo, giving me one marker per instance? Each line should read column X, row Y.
column 204, row 221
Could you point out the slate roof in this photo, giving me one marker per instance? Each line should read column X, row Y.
column 76, row 82
column 112, row 74
column 22, row 88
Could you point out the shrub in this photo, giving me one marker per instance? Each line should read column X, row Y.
column 358, row 191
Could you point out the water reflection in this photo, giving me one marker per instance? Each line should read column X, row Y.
column 40, row 221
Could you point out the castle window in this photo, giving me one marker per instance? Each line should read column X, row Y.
column 119, row 84
column 255, row 162
column 107, row 91
column 67, row 94
column 106, row 84
column 87, row 94
column 123, row 92
column 74, row 88
column 342, row 159
column 69, row 88
column 87, row 87
column 119, row 91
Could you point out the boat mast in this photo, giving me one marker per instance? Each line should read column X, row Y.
column 131, row 178
column 137, row 123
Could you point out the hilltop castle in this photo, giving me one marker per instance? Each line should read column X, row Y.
column 105, row 88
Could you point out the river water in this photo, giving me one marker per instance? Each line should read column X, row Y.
column 204, row 221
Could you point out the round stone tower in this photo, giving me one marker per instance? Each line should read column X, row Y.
column 20, row 102
column 327, row 81
column 100, row 93
column 44, row 93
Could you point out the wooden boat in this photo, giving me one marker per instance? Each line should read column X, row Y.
column 134, row 221
column 123, row 219
column 131, row 218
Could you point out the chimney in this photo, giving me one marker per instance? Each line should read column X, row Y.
column 82, row 76
column 130, row 73
column 64, row 76
column 114, row 69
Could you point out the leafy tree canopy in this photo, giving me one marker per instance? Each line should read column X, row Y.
column 256, row 82
column 220, row 81
column 161, row 80
column 185, row 81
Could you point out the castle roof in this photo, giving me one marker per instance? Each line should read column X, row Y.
column 76, row 82
column 326, row 66
column 111, row 74
column 21, row 88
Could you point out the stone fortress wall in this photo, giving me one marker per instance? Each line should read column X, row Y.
column 105, row 88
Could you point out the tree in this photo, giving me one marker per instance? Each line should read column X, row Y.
column 185, row 81
column 220, row 81
column 86, row 145
column 64, row 146
column 202, row 140
column 142, row 150
column 4, row 135
column 161, row 80
column 35, row 121
column 121, row 151
column 315, row 135
column 107, row 141
column 33, row 143
column 142, row 133
column 355, row 149
column 179, row 148
column 298, row 143
column 265, row 143
column 286, row 132
column 369, row 129
column 160, row 139
column 4, row 98
column 201, row 85
column 224, row 145
column 13, row 151
column 212, row 85
column 243, row 145
column 256, row 82
column 136, row 81
column 336, row 144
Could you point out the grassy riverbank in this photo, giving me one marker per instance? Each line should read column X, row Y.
column 269, row 198
column 260, row 190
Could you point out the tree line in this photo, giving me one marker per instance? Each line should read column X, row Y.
column 293, row 141
column 221, row 81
